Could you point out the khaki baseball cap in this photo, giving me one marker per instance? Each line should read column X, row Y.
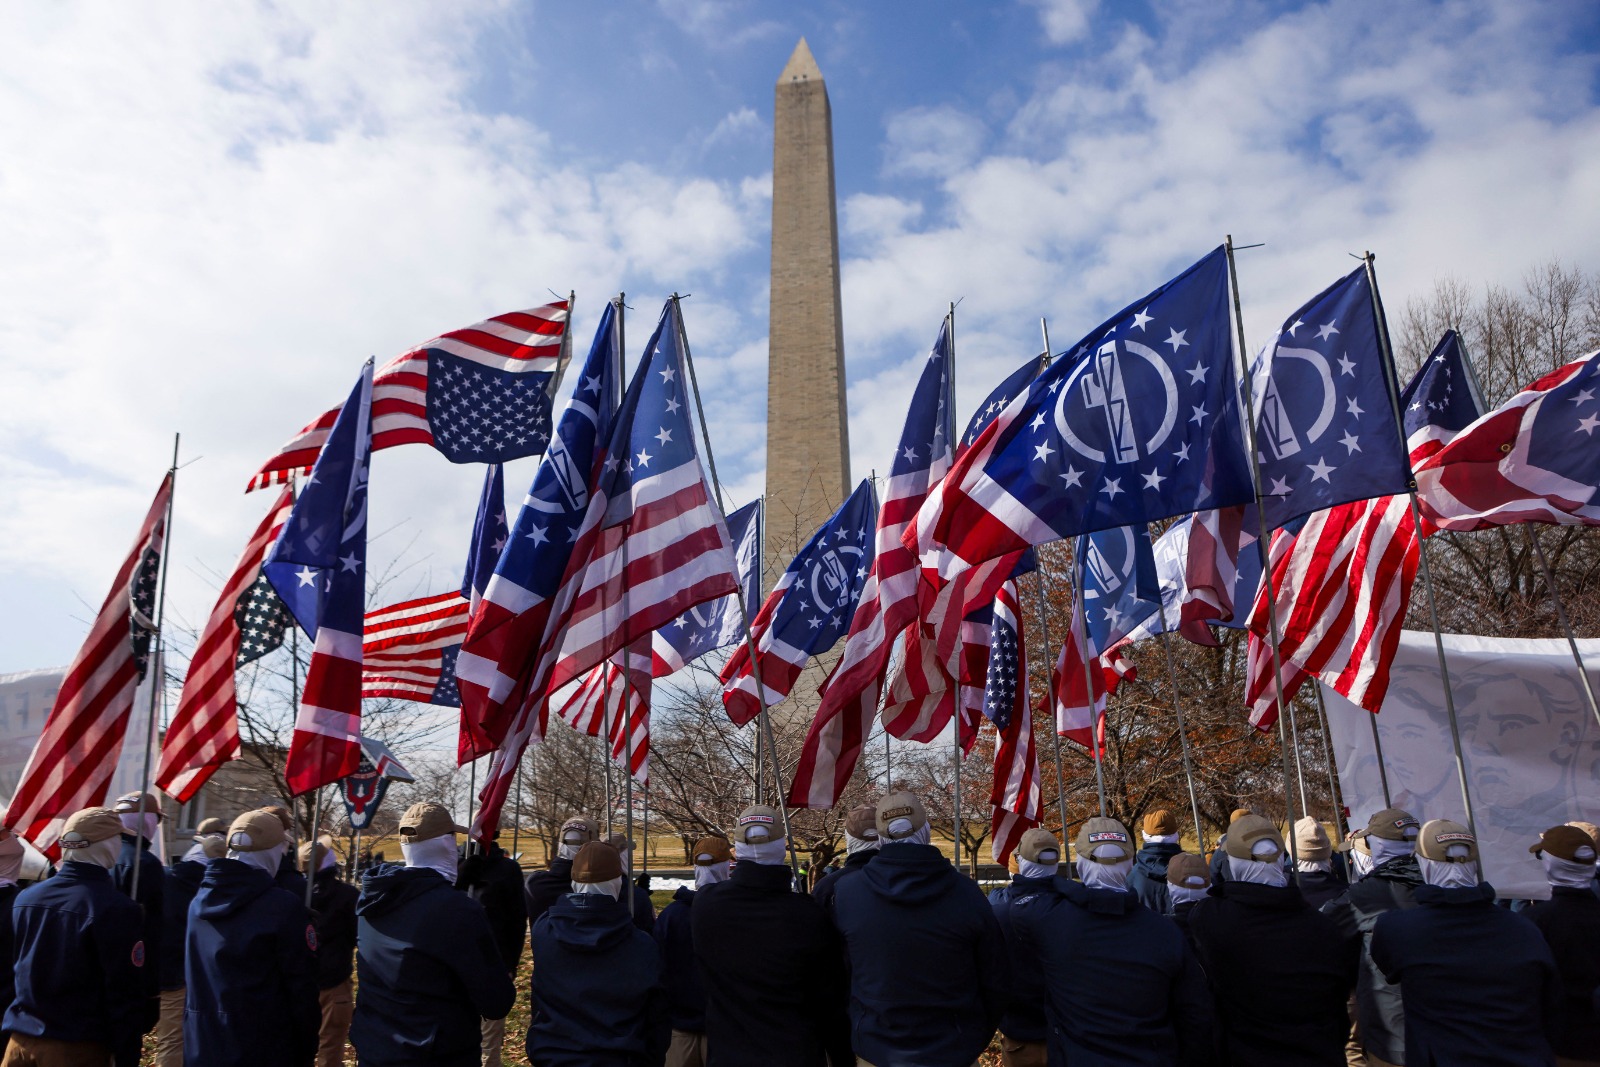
column 1160, row 823
column 90, row 826
column 596, row 862
column 710, row 851
column 210, row 826
column 759, row 824
column 1311, row 840
column 621, row 842
column 1446, row 842
column 256, row 831
column 899, row 815
column 1189, row 871
column 426, row 820
column 1391, row 824
column 282, row 814
column 307, row 861
column 1100, row 832
column 1248, row 832
column 862, row 823
column 128, row 804
column 579, row 829
column 1589, row 828
column 1237, row 814
column 1566, row 842
column 1039, row 846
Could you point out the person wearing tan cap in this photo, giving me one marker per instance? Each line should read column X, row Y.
column 1188, row 883
column 771, row 963
column 599, row 993
column 1479, row 982
column 1121, row 985
column 91, row 1012
column 1148, row 879
column 1318, row 880
column 1570, row 923
column 428, row 971
column 138, row 831
column 288, row 875
column 1594, row 835
column 860, row 845
column 1219, row 867
column 12, row 854
column 1023, row 1028
column 929, row 974
column 644, row 909
column 1280, row 971
column 1390, row 836
column 182, row 883
column 250, row 958
column 686, row 993
column 545, row 887
column 333, row 912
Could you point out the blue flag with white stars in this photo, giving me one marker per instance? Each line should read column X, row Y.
column 1325, row 426
column 824, row 581
column 707, row 627
column 1015, row 385
column 318, row 563
column 1117, row 572
column 1439, row 400
column 489, row 534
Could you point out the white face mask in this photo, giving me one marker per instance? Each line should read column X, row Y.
column 436, row 854
column 853, row 844
column 710, row 874
column 1311, row 866
column 1030, row 869
column 1448, row 875
column 11, row 856
column 267, row 859
column 1159, row 839
column 1182, row 894
column 1566, row 873
column 920, row 836
column 1258, row 872
column 132, row 822
column 1360, row 863
column 1384, row 850
column 612, row 888
column 1104, row 875
column 103, row 854
column 769, row 853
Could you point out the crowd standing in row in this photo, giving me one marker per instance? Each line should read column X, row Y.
column 1137, row 956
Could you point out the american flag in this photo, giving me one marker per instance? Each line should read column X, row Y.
column 808, row 610
column 318, row 565
column 73, row 760
column 925, row 688
column 1014, row 796
column 720, row 623
column 1221, row 562
column 1343, row 583
column 595, row 708
column 888, row 603
column 247, row 623
column 481, row 394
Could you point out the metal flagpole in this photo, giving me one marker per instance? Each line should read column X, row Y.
column 1327, row 755
column 1096, row 729
column 153, row 662
column 1387, row 353
column 1383, row 772
column 1177, row 707
column 311, row 861
column 1044, row 633
column 1561, row 616
column 765, row 721
column 516, row 819
column 1247, row 389
column 625, row 708
column 955, row 715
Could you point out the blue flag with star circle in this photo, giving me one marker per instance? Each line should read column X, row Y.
column 1117, row 573
column 823, row 582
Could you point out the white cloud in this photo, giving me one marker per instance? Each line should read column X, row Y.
column 931, row 142
column 1065, row 21
column 743, row 124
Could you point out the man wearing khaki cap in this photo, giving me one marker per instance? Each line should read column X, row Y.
column 250, row 958
column 1390, row 837
column 140, row 814
column 547, row 886
column 1219, row 865
column 860, row 845
column 1318, row 880
column 644, row 909
column 1148, row 879
column 929, row 979
column 598, row 993
column 182, row 883
column 89, row 1014
column 1121, row 985
column 712, row 858
column 1281, row 973
column 1188, row 883
column 1570, row 923
column 772, row 965
column 333, row 911
column 1479, row 982
column 428, row 971
column 1023, row 1028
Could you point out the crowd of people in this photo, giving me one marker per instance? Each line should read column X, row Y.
column 1133, row 953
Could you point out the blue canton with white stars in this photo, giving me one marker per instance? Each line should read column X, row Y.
column 1441, row 393
column 1015, row 385
column 1000, row 686
column 478, row 414
column 825, row 579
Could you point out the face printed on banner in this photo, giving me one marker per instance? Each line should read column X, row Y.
column 1411, row 745
column 1504, row 707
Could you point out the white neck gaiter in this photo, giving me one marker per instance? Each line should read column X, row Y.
column 710, row 874
column 436, row 854
column 103, row 854
column 1360, row 863
column 1448, row 875
column 853, row 844
column 612, row 888
column 268, row 859
column 567, row 852
column 11, row 856
column 196, row 853
column 1159, row 839
column 329, row 861
column 1567, row 874
column 920, row 836
column 769, row 853
column 140, row 825
column 1030, row 869
column 1312, row 866
column 1258, row 872
column 1384, row 850
column 1182, row 894
column 1104, row 875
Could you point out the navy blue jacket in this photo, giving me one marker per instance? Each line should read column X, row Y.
column 81, row 916
column 183, row 881
column 251, row 998
column 289, row 877
column 1479, row 982
column 1570, row 923
column 8, row 943
column 1281, row 973
column 1380, row 1013
column 544, row 888
column 824, row 890
column 1148, row 879
column 333, row 911
column 1122, row 986
column 1320, row 887
column 686, row 991
column 494, row 880
column 929, row 980
column 599, row 993
column 427, row 971
column 151, row 898
column 773, row 971
column 1024, row 1019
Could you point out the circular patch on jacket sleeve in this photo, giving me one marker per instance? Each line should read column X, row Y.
column 311, row 937
column 138, row 954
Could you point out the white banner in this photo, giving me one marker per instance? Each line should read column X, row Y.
column 1530, row 742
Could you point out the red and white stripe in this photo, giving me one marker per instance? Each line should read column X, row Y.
column 204, row 732
column 778, row 663
column 326, row 744
column 1080, row 704
column 72, row 762
column 402, row 650
column 532, row 341
column 1014, row 795
column 595, row 708
column 1211, row 570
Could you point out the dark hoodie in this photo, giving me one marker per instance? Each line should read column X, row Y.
column 1148, row 879
column 1570, row 923
column 152, row 899
column 929, row 981
column 251, row 999
column 599, row 996
column 495, row 881
column 427, row 971
column 828, row 885
column 546, row 887
column 1480, row 983
column 686, row 991
column 1379, row 1012
column 333, row 909
column 1024, row 1018
column 182, row 883
column 1281, row 974
column 1122, row 988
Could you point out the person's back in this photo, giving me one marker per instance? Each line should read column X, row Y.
column 12, row 853
column 1281, row 972
column 333, row 912
column 1570, row 923
column 1317, row 876
column 250, row 957
column 771, row 963
column 860, row 843
column 1024, row 1031
column 1479, row 982
column 599, row 999
column 929, row 980
column 494, row 880
column 138, row 830
column 1148, row 879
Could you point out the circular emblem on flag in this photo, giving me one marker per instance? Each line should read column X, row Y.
column 1299, row 373
column 138, row 953
column 833, row 577
column 1094, row 417
column 311, row 937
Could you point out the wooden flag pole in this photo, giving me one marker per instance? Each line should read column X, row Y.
column 153, row 662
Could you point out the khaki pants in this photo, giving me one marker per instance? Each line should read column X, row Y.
column 1022, row 1053
column 169, row 1029
column 687, row 1049
column 27, row 1051
column 337, row 1007
column 492, row 1039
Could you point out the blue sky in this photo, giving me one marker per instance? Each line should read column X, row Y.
column 213, row 218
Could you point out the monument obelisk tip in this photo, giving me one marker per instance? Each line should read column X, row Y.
column 802, row 65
